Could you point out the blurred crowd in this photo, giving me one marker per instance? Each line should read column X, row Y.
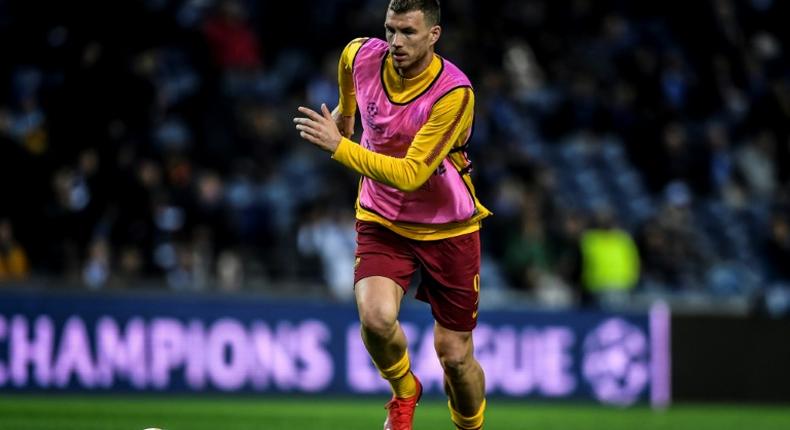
column 622, row 146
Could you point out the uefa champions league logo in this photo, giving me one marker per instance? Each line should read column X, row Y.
column 616, row 361
column 373, row 110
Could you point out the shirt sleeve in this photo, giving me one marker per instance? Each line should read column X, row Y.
column 448, row 126
column 345, row 77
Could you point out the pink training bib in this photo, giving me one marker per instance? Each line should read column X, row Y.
column 389, row 128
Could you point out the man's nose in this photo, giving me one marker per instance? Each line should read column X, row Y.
column 397, row 40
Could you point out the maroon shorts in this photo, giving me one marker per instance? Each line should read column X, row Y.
column 449, row 268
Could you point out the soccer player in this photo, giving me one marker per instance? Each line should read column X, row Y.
column 416, row 207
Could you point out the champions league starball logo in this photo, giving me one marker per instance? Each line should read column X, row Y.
column 616, row 362
column 373, row 110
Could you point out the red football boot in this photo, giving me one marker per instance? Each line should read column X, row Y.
column 400, row 412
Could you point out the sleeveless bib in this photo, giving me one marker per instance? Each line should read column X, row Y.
column 389, row 128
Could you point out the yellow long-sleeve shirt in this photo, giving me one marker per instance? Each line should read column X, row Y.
column 448, row 125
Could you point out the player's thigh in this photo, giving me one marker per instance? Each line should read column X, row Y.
column 451, row 280
column 382, row 253
column 383, row 269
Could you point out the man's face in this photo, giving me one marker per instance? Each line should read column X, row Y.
column 410, row 38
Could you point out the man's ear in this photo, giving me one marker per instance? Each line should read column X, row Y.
column 436, row 32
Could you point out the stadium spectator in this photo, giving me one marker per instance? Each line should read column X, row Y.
column 756, row 163
column 527, row 255
column 14, row 263
column 233, row 42
column 545, row 262
column 236, row 52
column 778, row 247
column 566, row 239
column 720, row 160
column 97, row 269
column 330, row 236
column 230, row 271
column 610, row 261
column 672, row 250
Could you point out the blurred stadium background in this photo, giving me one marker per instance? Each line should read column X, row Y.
column 634, row 154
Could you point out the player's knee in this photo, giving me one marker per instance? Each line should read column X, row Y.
column 378, row 322
column 455, row 352
column 454, row 355
column 455, row 363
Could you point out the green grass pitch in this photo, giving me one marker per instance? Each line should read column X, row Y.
column 33, row 412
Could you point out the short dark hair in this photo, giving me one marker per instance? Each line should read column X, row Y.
column 429, row 8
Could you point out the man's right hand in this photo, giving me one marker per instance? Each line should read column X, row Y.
column 344, row 123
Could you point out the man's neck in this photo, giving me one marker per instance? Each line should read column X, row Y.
column 417, row 68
